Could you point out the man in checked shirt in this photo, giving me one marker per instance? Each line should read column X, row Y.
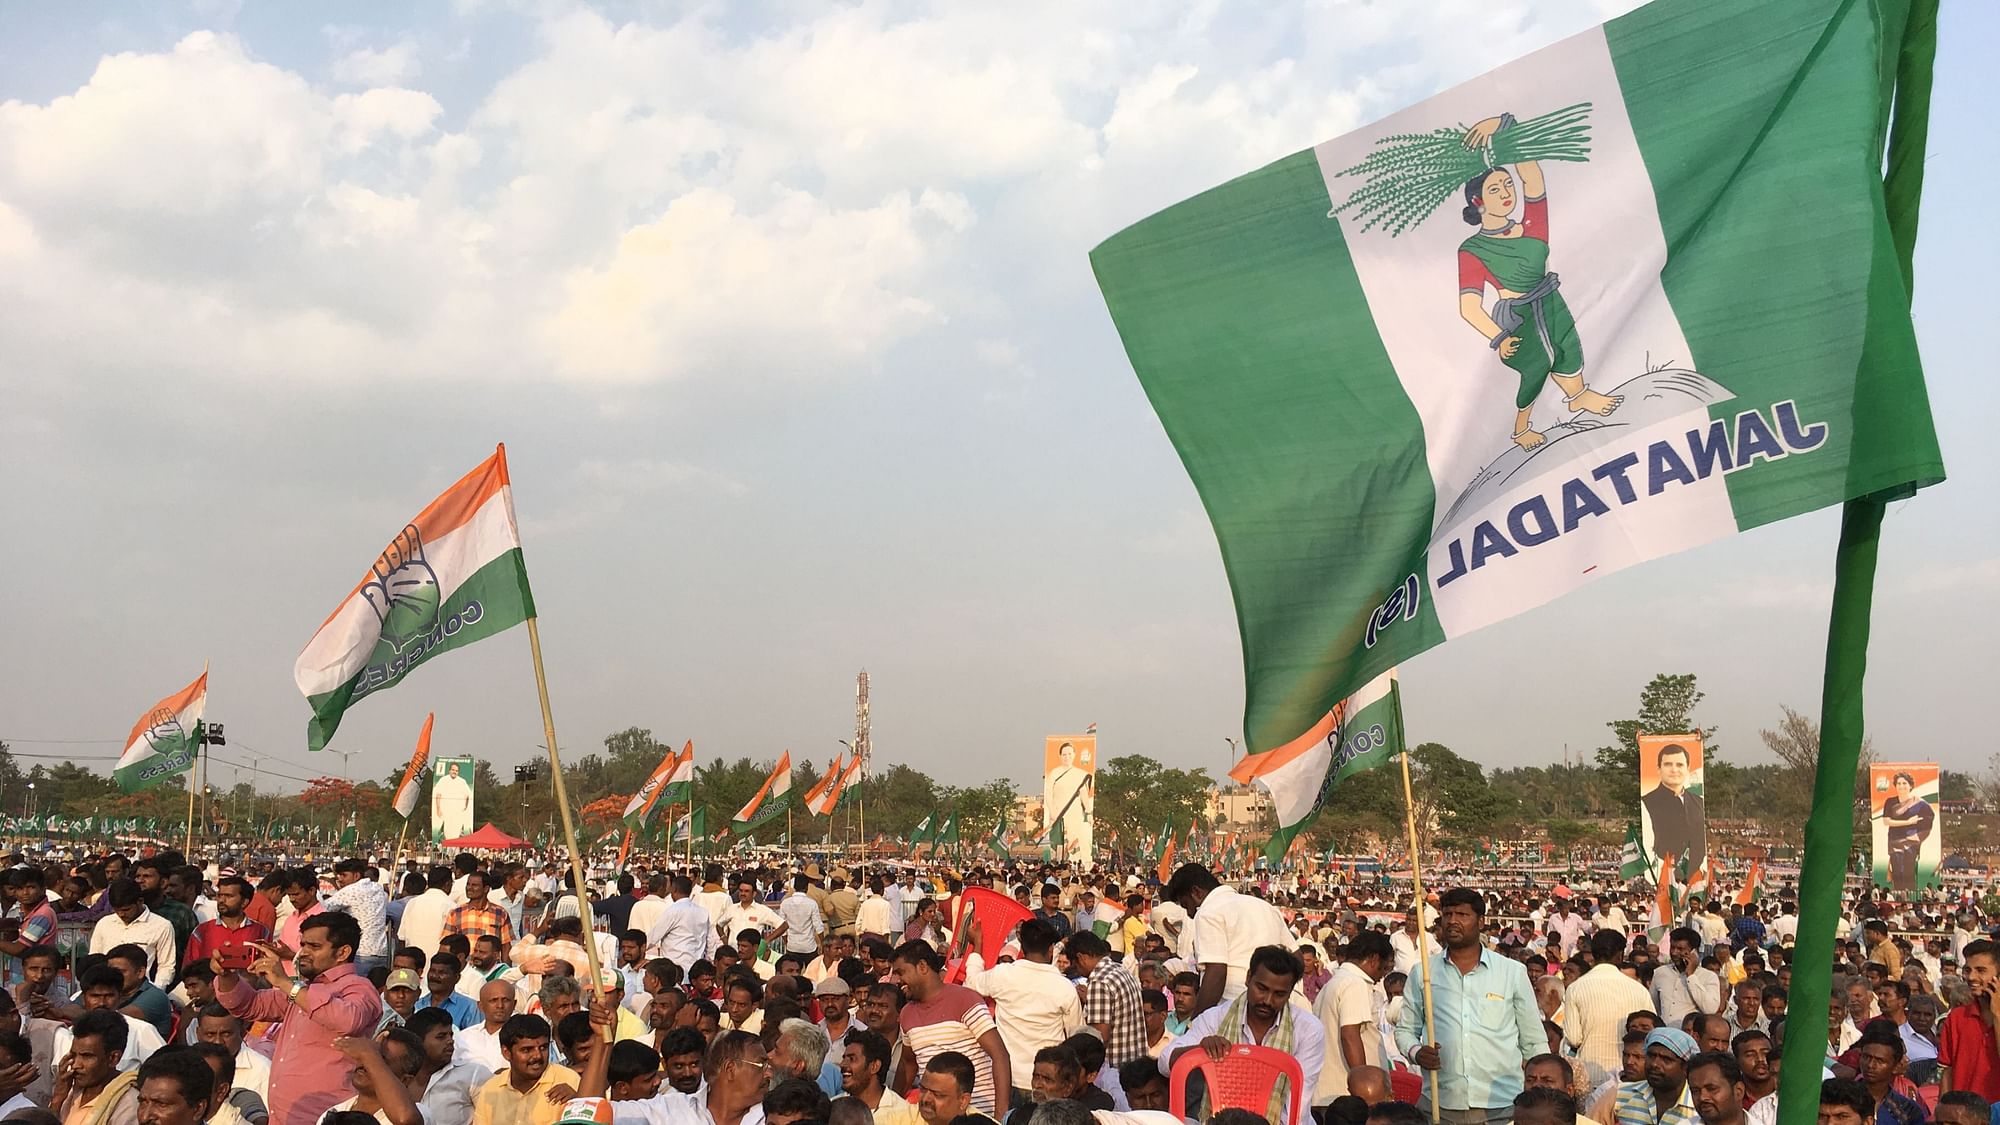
column 479, row 917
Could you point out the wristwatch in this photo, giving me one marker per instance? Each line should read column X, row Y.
column 298, row 986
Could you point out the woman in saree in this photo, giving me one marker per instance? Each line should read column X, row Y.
column 1529, row 327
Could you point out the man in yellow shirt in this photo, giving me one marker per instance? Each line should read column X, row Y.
column 1133, row 927
column 525, row 1093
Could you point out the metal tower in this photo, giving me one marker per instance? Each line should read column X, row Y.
column 861, row 741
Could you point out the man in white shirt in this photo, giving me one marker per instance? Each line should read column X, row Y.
column 130, row 923
column 746, row 913
column 1261, row 1012
column 1228, row 928
column 901, row 896
column 480, row 1043
column 651, row 904
column 1033, row 1004
column 215, row 1025
column 363, row 898
column 803, row 921
column 1404, row 942
column 423, row 916
column 872, row 916
column 1611, row 916
column 683, row 933
column 1345, row 1008
column 1569, row 924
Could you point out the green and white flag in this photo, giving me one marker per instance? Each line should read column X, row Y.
column 1360, row 733
column 1632, row 862
column 1628, row 295
column 999, row 841
column 922, row 832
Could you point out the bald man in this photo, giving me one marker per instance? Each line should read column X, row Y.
column 1370, row 1084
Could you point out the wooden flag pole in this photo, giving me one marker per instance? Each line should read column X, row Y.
column 1417, row 885
column 396, row 857
column 568, row 822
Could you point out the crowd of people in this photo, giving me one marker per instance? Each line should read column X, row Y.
column 153, row 991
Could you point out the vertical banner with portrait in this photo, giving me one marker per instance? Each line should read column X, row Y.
column 451, row 798
column 1902, row 810
column 1672, row 820
column 1069, row 791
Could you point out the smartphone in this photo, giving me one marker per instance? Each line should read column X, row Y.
column 235, row 956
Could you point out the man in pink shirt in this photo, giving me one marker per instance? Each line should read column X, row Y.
column 327, row 1001
column 302, row 888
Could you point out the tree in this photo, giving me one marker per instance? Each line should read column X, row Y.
column 1795, row 742
column 1666, row 706
column 1135, row 795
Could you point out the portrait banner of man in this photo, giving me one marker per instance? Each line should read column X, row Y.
column 1672, row 820
column 1069, row 791
column 1909, row 840
column 451, row 798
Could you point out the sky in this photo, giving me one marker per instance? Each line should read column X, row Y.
column 785, row 315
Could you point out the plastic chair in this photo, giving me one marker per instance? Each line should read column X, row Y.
column 1243, row 1079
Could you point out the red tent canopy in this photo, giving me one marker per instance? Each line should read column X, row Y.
column 487, row 837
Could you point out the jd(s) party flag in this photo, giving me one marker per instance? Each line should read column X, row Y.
column 1632, row 857
column 413, row 777
column 770, row 798
column 450, row 577
column 1549, row 324
column 166, row 739
column 1360, row 733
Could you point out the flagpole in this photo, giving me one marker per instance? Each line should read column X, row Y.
column 1829, row 828
column 191, row 780
column 568, row 823
column 1416, row 884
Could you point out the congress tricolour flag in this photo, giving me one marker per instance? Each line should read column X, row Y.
column 1563, row 319
column 639, row 809
column 451, row 576
column 850, row 783
column 1360, row 733
column 770, row 799
column 413, row 778
column 822, row 798
column 166, row 739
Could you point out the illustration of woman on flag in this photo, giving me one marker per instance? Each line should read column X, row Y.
column 1529, row 326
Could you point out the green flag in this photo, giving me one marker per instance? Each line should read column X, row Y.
column 1632, row 862
column 1557, row 321
column 997, row 842
column 1362, row 732
column 947, row 833
column 921, row 834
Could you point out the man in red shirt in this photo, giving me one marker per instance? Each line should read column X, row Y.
column 231, row 927
column 1967, row 1058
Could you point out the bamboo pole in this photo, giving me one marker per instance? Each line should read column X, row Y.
column 1417, row 886
column 568, row 822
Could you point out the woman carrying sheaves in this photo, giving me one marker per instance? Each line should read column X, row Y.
column 1529, row 327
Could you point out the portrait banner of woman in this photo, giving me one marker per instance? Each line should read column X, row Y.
column 1069, row 791
column 1902, row 798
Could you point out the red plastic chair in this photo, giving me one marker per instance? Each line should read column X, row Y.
column 1243, row 1079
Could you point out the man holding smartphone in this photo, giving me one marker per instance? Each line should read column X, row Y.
column 232, row 936
column 328, row 1001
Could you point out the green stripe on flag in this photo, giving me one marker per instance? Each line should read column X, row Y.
column 491, row 600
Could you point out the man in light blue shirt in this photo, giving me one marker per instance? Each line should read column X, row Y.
column 1485, row 1018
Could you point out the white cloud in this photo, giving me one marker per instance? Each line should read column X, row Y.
column 799, row 287
column 394, row 65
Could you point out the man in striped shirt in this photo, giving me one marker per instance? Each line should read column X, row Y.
column 942, row 1017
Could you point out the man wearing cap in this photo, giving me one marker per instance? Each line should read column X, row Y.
column 842, row 904
column 630, row 1026
column 1661, row 1098
column 834, row 996
column 399, row 998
